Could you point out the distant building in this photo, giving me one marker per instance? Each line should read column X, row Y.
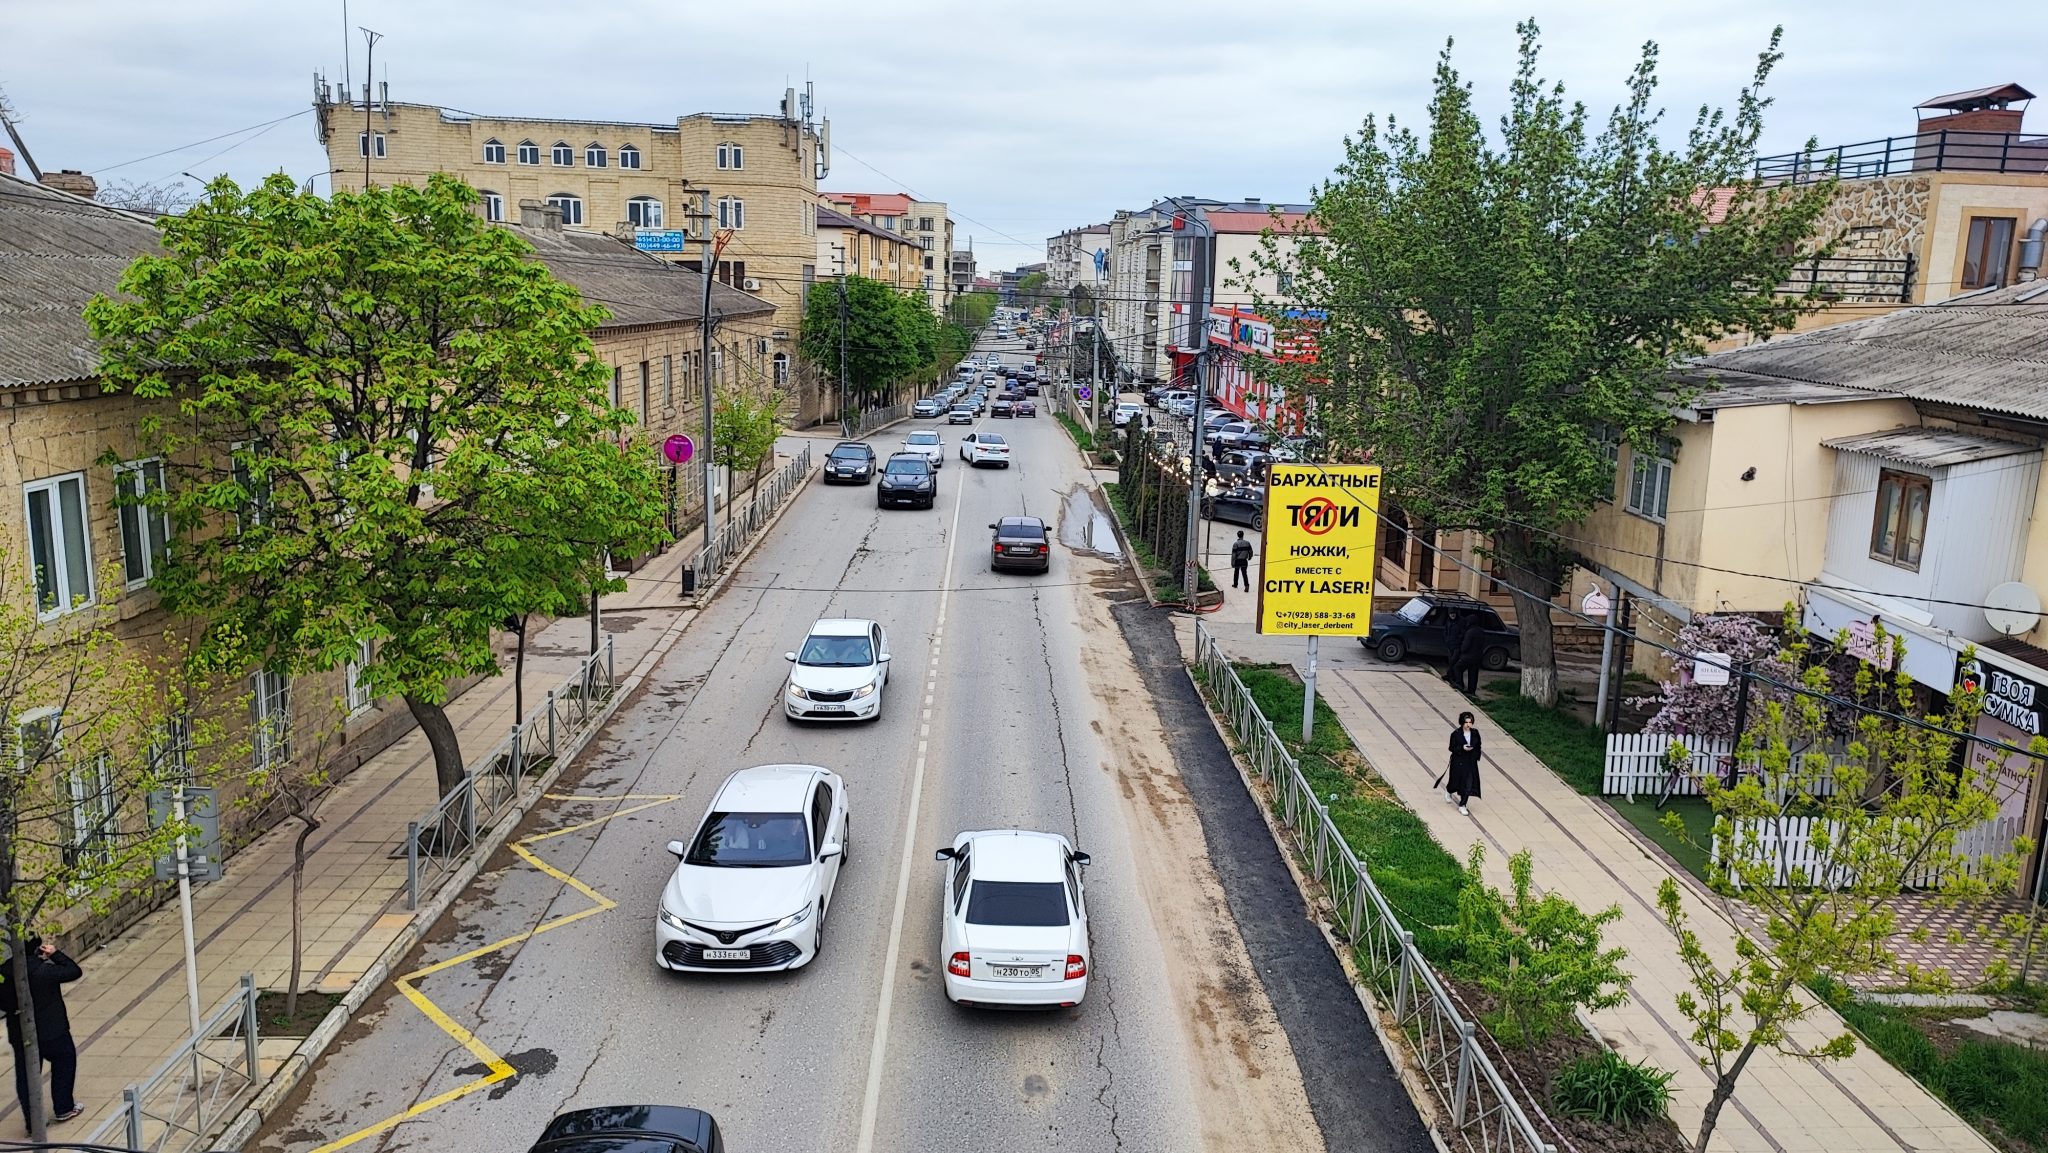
column 921, row 222
column 1078, row 256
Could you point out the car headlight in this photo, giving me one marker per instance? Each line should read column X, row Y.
column 866, row 690
column 798, row 692
column 791, row 921
column 673, row 921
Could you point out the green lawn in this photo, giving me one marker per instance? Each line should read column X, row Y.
column 1699, row 823
column 1078, row 431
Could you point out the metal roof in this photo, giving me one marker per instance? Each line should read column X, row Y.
column 1928, row 447
column 1977, row 97
column 1985, row 350
column 57, row 252
column 634, row 286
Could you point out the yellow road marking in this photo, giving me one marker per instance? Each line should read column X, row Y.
column 498, row 1068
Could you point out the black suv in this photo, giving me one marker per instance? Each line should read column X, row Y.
column 908, row 479
column 1422, row 627
column 850, row 461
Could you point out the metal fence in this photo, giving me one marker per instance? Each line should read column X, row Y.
column 438, row 843
column 1478, row 1110
column 1942, row 150
column 1854, row 279
column 743, row 520
column 873, row 418
column 196, row 1090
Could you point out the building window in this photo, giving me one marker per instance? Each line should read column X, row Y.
column 1607, row 442
column 145, row 531
column 255, row 493
column 928, row 264
column 494, row 152
column 732, row 156
column 58, row 544
column 1899, row 528
column 668, row 382
column 88, row 839
column 564, row 156
column 571, row 206
column 1989, row 253
column 732, row 213
column 887, row 222
column 781, row 369
column 594, row 155
column 643, row 211
column 618, row 384
column 529, row 152
column 646, row 393
column 717, row 366
column 1649, row 486
column 270, row 728
column 924, row 224
column 369, row 142
column 494, row 207
column 629, row 156
column 359, row 698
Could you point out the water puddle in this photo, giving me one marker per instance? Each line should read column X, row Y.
column 1085, row 528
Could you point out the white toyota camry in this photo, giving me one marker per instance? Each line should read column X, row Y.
column 839, row 673
column 752, row 888
column 1015, row 920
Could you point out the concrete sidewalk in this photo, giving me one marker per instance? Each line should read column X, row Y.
column 1400, row 716
column 129, row 1013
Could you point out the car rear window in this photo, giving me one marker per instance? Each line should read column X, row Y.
column 1021, row 531
column 990, row 438
column 1028, row 903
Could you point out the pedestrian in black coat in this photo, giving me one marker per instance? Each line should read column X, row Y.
column 1471, row 652
column 1454, row 636
column 49, row 970
column 1465, row 747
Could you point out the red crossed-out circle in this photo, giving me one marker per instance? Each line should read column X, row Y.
column 1324, row 521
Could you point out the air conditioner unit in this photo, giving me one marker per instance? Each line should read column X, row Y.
column 750, row 284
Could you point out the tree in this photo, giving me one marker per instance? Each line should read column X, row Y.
column 391, row 426
column 1886, row 815
column 972, row 310
column 166, row 199
column 744, row 429
column 1486, row 312
column 1540, row 957
column 889, row 335
column 80, row 729
column 1031, row 290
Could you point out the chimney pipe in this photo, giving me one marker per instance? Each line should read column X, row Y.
column 2030, row 249
column 531, row 215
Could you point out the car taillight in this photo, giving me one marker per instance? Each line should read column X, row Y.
column 959, row 967
column 1076, row 967
column 1044, row 549
column 997, row 547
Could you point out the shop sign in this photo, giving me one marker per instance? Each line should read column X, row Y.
column 2011, row 700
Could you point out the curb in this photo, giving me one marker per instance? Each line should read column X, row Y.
column 705, row 595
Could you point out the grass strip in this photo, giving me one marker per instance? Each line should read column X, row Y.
column 1077, row 430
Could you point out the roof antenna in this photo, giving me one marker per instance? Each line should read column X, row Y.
column 348, row 76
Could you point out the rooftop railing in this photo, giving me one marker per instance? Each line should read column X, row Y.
column 1943, row 150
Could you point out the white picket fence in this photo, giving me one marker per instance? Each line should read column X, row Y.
column 1635, row 764
column 1788, row 842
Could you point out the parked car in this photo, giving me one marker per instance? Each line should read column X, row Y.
column 1126, row 411
column 908, row 479
column 1238, row 505
column 1217, row 418
column 927, row 408
column 1240, row 466
column 850, row 462
column 1021, row 543
column 1024, row 408
column 1154, row 394
column 631, row 1129
column 1180, row 405
column 979, row 448
column 839, row 672
column 928, row 444
column 1014, row 920
column 752, row 888
column 1233, row 430
column 961, row 413
column 1422, row 627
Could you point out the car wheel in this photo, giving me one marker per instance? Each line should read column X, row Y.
column 818, row 935
column 1392, row 650
column 1495, row 660
column 846, row 842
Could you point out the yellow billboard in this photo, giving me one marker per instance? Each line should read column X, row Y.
column 1319, row 550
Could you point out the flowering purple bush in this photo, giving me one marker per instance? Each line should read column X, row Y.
column 1684, row 706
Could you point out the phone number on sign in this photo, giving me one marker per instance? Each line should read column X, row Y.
column 1317, row 616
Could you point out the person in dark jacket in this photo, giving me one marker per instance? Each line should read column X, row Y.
column 1471, row 652
column 1465, row 746
column 49, row 970
column 1241, row 562
column 1454, row 635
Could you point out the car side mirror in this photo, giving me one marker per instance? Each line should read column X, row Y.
column 944, row 855
column 677, row 849
column 830, row 850
column 991, row 526
column 1080, row 858
column 886, row 658
column 791, row 657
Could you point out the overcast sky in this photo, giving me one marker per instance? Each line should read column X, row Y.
column 1025, row 118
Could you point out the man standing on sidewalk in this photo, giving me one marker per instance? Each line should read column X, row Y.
column 1241, row 563
column 49, row 970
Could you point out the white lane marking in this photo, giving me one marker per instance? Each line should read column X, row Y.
column 871, row 1101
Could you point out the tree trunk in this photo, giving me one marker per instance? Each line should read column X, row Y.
column 441, row 738
column 1539, row 656
column 307, row 823
column 1724, row 1088
column 31, row 1055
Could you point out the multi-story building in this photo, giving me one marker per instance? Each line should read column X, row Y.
column 963, row 269
column 854, row 246
column 924, row 223
column 1078, row 256
column 754, row 175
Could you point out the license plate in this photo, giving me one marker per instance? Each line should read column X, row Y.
column 1018, row 970
column 829, row 708
column 728, row 954
column 1023, row 550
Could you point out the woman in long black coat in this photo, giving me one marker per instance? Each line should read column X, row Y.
column 1465, row 746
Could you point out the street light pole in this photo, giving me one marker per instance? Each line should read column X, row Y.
column 714, row 245
column 1198, row 331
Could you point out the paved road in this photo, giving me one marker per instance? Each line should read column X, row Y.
column 1036, row 718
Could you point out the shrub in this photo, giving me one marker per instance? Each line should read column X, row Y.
column 1540, row 957
column 1610, row 1088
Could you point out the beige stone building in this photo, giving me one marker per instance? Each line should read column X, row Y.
column 923, row 223
column 1070, row 257
column 755, row 174
column 855, row 246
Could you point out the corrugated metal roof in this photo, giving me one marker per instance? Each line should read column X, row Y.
column 635, row 287
column 1928, row 447
column 1985, row 350
column 57, row 252
column 1977, row 95
column 1740, row 390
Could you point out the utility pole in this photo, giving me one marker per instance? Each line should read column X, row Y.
column 845, row 421
column 369, row 73
column 1198, row 332
column 714, row 246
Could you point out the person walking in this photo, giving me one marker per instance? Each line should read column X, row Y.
column 1454, row 636
column 1465, row 746
column 1471, row 652
column 1241, row 562
column 49, row 970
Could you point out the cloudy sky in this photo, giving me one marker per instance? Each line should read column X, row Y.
column 1026, row 118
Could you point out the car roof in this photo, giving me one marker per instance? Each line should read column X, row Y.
column 842, row 626
column 909, row 456
column 852, row 444
column 991, row 437
column 1017, row 855
column 922, row 432
column 1019, row 522
column 767, row 789
column 1453, row 600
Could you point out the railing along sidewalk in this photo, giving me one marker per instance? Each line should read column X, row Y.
column 745, row 519
column 196, row 1090
column 1478, row 1109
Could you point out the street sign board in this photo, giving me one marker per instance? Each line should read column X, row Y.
column 660, row 239
column 1319, row 549
column 678, row 449
column 202, row 852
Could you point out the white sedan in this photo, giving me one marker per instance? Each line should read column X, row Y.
column 752, row 888
column 1015, row 920
column 839, row 673
column 928, row 444
column 979, row 448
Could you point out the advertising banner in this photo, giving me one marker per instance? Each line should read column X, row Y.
column 1319, row 549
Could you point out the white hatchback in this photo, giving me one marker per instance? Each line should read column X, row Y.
column 1014, row 930
column 839, row 673
column 928, row 444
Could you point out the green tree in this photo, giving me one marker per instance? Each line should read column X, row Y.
column 1493, row 308
column 1540, row 957
column 972, row 310
column 391, row 426
column 889, row 336
column 743, row 429
column 1887, row 814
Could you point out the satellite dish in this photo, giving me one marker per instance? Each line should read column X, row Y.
column 2012, row 608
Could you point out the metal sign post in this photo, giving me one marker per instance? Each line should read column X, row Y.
column 1318, row 557
column 188, row 863
column 1308, row 695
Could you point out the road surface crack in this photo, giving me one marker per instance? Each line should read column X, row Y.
column 1059, row 727
column 1106, row 1096
column 861, row 552
column 604, row 1041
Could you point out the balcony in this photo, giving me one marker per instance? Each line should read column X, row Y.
column 1945, row 150
column 1853, row 279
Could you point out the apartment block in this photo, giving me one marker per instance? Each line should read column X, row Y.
column 923, row 223
column 1077, row 256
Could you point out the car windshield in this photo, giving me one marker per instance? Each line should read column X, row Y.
column 1029, row 903
column 1414, row 611
column 825, row 652
column 751, row 841
column 622, row 1143
column 913, row 467
column 847, row 451
column 923, row 438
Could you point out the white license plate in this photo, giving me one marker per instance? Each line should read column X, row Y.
column 828, row 708
column 728, row 954
column 1018, row 970
column 1025, row 550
